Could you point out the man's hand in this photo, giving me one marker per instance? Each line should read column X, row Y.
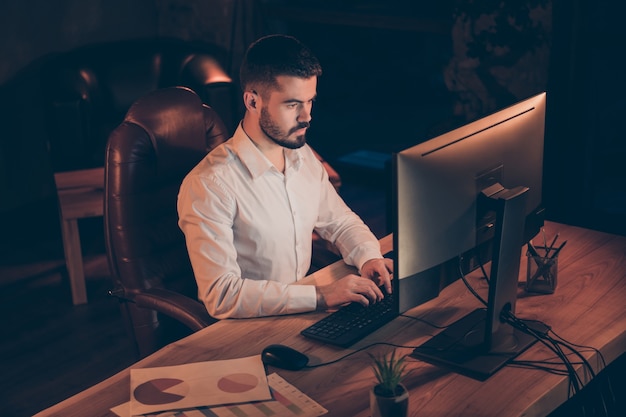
column 378, row 270
column 351, row 288
column 362, row 289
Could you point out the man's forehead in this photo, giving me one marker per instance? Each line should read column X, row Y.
column 300, row 89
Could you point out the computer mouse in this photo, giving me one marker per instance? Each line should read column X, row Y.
column 284, row 357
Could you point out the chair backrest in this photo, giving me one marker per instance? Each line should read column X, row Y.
column 87, row 91
column 163, row 136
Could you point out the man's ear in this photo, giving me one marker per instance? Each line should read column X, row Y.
column 251, row 100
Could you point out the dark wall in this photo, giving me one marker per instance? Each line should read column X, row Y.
column 30, row 32
column 399, row 72
column 382, row 87
column 30, row 29
column 388, row 84
column 585, row 182
column 386, row 81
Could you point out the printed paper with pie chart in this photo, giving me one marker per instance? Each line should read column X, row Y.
column 198, row 384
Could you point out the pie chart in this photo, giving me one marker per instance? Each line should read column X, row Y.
column 237, row 383
column 161, row 391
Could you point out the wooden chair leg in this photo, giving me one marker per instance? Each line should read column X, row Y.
column 74, row 260
column 80, row 196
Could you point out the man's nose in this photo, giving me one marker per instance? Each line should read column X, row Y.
column 305, row 114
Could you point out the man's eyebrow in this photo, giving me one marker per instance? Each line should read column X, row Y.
column 295, row 100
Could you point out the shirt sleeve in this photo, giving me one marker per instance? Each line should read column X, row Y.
column 206, row 213
column 338, row 224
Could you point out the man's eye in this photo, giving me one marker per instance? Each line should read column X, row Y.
column 292, row 105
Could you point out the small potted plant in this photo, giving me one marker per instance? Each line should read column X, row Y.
column 389, row 398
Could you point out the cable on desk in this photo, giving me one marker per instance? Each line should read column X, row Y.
column 421, row 320
column 359, row 351
column 574, row 379
column 559, row 346
column 556, row 344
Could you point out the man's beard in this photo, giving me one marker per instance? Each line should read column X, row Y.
column 275, row 133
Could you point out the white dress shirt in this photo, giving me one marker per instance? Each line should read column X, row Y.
column 248, row 228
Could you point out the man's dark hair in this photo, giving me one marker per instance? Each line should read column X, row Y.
column 274, row 55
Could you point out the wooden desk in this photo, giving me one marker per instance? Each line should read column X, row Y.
column 587, row 308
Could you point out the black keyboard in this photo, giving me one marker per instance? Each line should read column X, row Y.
column 353, row 322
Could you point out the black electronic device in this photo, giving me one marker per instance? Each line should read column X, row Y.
column 463, row 198
column 460, row 199
column 353, row 322
column 284, row 357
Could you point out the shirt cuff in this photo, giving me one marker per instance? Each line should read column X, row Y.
column 364, row 253
column 302, row 298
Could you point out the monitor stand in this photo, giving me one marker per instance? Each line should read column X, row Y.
column 481, row 343
column 460, row 347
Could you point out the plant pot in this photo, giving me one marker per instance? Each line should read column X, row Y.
column 386, row 406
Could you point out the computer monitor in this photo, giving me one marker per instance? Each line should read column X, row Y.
column 463, row 198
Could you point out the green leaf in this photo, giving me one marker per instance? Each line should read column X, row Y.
column 389, row 370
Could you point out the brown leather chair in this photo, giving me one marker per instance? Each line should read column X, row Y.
column 163, row 136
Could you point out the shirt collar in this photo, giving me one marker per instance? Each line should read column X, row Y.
column 254, row 160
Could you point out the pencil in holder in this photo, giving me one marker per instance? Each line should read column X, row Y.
column 542, row 272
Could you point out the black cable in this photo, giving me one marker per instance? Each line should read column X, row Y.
column 574, row 380
column 425, row 322
column 482, row 269
column 550, row 344
column 467, row 284
column 556, row 346
column 584, row 360
column 609, row 386
column 481, row 265
column 597, row 351
column 540, row 365
column 359, row 351
column 519, row 324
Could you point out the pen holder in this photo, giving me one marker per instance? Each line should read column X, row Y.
column 542, row 273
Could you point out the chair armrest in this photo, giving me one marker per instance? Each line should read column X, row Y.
column 184, row 309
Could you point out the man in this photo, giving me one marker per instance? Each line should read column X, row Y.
column 249, row 207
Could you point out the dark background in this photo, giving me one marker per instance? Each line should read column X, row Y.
column 396, row 73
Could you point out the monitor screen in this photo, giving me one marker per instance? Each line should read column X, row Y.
column 450, row 198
